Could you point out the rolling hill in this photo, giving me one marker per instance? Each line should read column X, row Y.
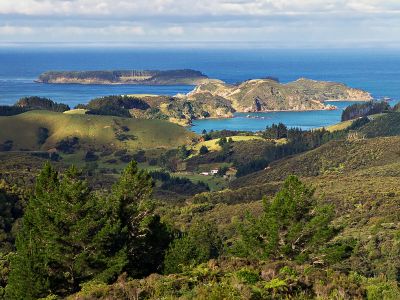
column 43, row 130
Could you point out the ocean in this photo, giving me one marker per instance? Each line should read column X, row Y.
column 377, row 71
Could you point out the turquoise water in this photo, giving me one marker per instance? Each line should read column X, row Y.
column 377, row 71
column 258, row 121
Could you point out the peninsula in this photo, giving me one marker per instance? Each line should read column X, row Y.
column 134, row 77
column 217, row 99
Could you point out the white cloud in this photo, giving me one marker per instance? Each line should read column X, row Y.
column 316, row 22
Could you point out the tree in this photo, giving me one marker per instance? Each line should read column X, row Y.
column 60, row 244
column 292, row 225
column 222, row 141
column 143, row 239
column 200, row 244
column 70, row 235
column 203, row 150
column 183, row 152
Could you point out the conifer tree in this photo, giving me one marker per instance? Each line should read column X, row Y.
column 59, row 245
column 143, row 237
column 291, row 226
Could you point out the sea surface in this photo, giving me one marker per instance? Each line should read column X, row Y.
column 377, row 71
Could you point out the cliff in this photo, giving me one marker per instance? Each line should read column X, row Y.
column 142, row 77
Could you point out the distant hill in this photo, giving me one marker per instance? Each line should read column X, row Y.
column 44, row 130
column 269, row 95
column 335, row 157
column 144, row 77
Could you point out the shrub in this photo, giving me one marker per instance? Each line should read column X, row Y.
column 203, row 150
column 291, row 226
column 198, row 245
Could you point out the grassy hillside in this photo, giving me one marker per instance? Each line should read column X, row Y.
column 336, row 157
column 383, row 125
column 94, row 132
column 212, row 145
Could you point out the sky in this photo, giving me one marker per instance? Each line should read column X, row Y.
column 225, row 23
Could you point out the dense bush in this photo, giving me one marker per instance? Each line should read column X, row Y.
column 178, row 185
column 115, row 105
column 6, row 146
column 292, row 226
column 11, row 110
column 43, row 135
column 364, row 109
column 70, row 235
column 200, row 244
column 68, row 145
column 34, row 102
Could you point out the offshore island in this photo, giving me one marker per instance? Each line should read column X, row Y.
column 211, row 98
column 138, row 77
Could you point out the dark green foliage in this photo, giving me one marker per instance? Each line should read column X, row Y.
column 34, row 102
column 291, row 226
column 126, row 158
column 11, row 110
column 364, row 109
column 6, row 146
column 358, row 123
column 115, row 105
column 252, row 166
column 203, row 150
column 110, row 110
column 276, row 131
column 178, row 184
column 198, row 245
column 70, row 235
column 60, row 244
column 68, row 146
column 183, row 152
column 222, row 141
column 140, row 156
column 222, row 170
column 217, row 134
column 386, row 125
column 91, row 156
column 12, row 202
column 43, row 135
column 143, row 239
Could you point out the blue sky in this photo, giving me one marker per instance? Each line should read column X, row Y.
column 229, row 23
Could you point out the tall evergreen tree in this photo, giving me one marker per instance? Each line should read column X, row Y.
column 143, row 236
column 291, row 227
column 59, row 245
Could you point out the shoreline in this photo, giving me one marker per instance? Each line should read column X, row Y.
column 341, row 100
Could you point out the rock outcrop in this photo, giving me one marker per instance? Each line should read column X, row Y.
column 269, row 95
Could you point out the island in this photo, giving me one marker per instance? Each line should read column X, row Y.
column 217, row 99
column 263, row 95
column 134, row 77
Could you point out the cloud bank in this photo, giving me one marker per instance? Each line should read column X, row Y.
column 269, row 23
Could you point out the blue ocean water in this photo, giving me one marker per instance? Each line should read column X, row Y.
column 377, row 71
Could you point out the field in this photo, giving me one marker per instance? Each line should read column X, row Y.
column 93, row 132
column 212, row 145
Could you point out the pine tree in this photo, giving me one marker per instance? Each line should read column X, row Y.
column 198, row 245
column 292, row 225
column 61, row 242
column 142, row 236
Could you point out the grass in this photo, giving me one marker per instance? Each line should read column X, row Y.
column 94, row 132
column 339, row 126
column 212, row 145
column 77, row 111
column 336, row 157
column 215, row 183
